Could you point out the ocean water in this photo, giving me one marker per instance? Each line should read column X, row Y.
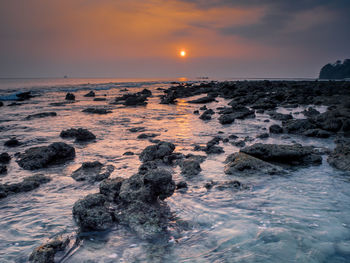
column 300, row 217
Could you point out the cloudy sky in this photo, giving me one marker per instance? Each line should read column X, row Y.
column 142, row 39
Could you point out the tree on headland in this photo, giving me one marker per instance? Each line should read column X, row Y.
column 338, row 70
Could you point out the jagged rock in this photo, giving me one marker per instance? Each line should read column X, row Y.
column 97, row 111
column 340, row 157
column 90, row 94
column 111, row 188
column 70, row 96
column 226, row 119
column 157, row 151
column 190, row 167
column 13, row 142
column 244, row 164
column 234, row 185
column 92, row 172
column 147, row 166
column 298, row 126
column 91, row 213
column 5, row 158
column 29, row 183
column 43, row 156
column 80, row 134
column 276, row 129
column 295, row 154
column 41, row 115
column 46, row 252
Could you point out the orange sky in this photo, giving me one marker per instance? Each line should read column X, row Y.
column 71, row 34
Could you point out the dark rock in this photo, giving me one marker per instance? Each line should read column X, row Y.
column 128, row 153
column 147, row 166
column 91, row 213
column 111, row 188
column 263, row 136
column 310, row 112
column 340, row 157
column 3, row 169
column 137, row 129
column 196, row 112
column 14, row 104
column 46, row 252
column 135, row 101
column 5, row 158
column 240, row 143
column 233, row 185
column 190, row 167
column 41, row 115
column 275, row 129
column 233, row 137
column 90, row 94
column 203, row 107
column 158, row 151
column 70, row 96
column 24, row 96
column 100, row 99
column 279, row 116
column 92, row 172
column 318, row 133
column 244, row 164
column 298, row 126
column 181, row 185
column 207, row 115
column 13, row 142
column 97, row 111
column 226, row 119
column 147, row 135
column 206, row 99
column 29, row 183
column 1, row 104
column 40, row 157
column 337, row 70
column 288, row 154
column 80, row 134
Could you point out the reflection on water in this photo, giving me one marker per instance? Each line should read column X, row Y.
column 302, row 217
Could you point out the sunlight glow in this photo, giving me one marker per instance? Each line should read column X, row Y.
column 183, row 53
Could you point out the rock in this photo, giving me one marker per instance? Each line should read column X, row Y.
column 181, row 185
column 298, row 126
column 24, row 96
column 100, row 99
column 80, row 134
column 111, row 188
column 29, row 183
column 41, row 115
column 203, row 107
column 157, row 151
column 233, row 185
column 91, row 213
column 276, row 129
column 13, row 142
column 92, row 172
column 340, row 157
column 147, row 166
column 226, row 119
column 196, row 112
column 337, row 70
column 240, row 143
column 169, row 98
column 1, row 104
column 40, row 157
column 295, row 154
column 206, row 99
column 70, row 96
column 135, row 101
column 46, row 252
column 128, row 153
column 5, row 158
column 137, row 129
column 97, row 111
column 318, row 133
column 279, row 116
column 147, row 135
column 310, row 112
column 244, row 164
column 190, row 167
column 3, row 169
column 207, row 115
column 263, row 136
column 90, row 94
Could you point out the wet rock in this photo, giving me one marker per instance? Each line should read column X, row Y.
column 263, row 136
column 267, row 105
column 226, row 119
column 90, row 94
column 3, row 169
column 157, row 151
column 244, row 164
column 92, row 172
column 147, row 135
column 181, row 185
column 46, row 252
column 29, row 183
column 233, row 185
column 43, row 156
column 169, row 98
column 147, row 166
column 13, row 142
column 80, row 134
column 206, row 99
column 41, row 115
column 196, row 112
column 1, row 104
column 240, row 143
column 111, row 188
column 190, row 167
column 24, row 96
column 233, row 137
column 100, row 99
column 137, row 129
column 207, row 115
column 70, row 96
column 135, row 101
column 203, row 107
column 298, row 126
column 91, row 213
column 5, row 158
column 97, row 111
column 279, row 116
column 295, row 154
column 310, row 112
column 128, row 153
column 318, row 133
column 340, row 157
column 276, row 129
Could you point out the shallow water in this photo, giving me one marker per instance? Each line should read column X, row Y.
column 301, row 217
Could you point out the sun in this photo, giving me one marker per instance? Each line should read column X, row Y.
column 183, row 53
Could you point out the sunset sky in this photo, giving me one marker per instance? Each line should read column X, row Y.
column 143, row 39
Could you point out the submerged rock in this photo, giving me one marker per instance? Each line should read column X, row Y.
column 43, row 156
column 157, row 151
column 340, row 157
column 13, row 142
column 5, row 158
column 244, row 164
column 223, row 185
column 29, row 183
column 295, row 154
column 41, row 115
column 276, row 129
column 137, row 129
column 91, row 93
column 92, row 172
column 80, row 134
column 147, row 135
column 70, row 96
column 97, row 111
column 46, row 252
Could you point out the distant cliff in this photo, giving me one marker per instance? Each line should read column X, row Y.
column 337, row 70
